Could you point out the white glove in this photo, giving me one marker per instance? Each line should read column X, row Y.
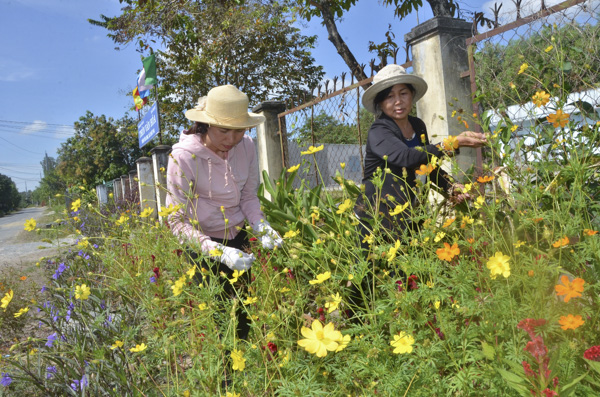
column 269, row 238
column 235, row 259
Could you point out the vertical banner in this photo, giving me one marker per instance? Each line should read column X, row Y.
column 148, row 127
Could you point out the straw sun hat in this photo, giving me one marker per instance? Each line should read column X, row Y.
column 389, row 76
column 226, row 107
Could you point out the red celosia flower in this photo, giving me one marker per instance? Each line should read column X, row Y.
column 536, row 347
column 549, row 393
column 527, row 368
column 253, row 239
column 272, row 346
column 156, row 271
column 399, row 285
column 593, row 353
column 529, row 325
column 412, row 282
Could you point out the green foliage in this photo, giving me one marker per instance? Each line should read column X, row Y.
column 324, row 128
column 252, row 45
column 101, row 149
column 566, row 56
column 9, row 195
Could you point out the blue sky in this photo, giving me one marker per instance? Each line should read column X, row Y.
column 55, row 66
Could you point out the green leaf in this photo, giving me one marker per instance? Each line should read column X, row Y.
column 567, row 390
column 488, row 351
column 514, row 381
column 566, row 66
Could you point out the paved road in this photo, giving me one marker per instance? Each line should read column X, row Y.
column 14, row 252
column 13, row 224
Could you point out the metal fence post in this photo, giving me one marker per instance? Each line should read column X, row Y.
column 160, row 160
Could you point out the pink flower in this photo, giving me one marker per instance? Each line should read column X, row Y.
column 529, row 325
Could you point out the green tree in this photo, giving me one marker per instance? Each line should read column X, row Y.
column 9, row 195
column 250, row 44
column 328, row 129
column 50, row 184
column 101, row 149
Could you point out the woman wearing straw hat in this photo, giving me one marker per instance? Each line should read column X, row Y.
column 212, row 177
column 400, row 142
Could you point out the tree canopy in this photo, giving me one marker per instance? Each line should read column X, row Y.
column 101, row 149
column 250, row 44
column 9, row 195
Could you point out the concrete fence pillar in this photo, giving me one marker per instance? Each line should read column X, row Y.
column 269, row 140
column 117, row 190
column 133, row 186
column 146, row 185
column 160, row 160
column 102, row 194
column 125, row 187
column 439, row 55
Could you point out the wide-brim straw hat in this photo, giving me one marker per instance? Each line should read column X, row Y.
column 226, row 107
column 389, row 76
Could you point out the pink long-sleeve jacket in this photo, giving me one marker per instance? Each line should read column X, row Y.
column 201, row 182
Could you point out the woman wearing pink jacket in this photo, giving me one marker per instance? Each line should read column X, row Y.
column 212, row 176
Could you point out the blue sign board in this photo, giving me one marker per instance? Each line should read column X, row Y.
column 148, row 127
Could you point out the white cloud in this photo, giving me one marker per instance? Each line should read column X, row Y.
column 13, row 71
column 36, row 126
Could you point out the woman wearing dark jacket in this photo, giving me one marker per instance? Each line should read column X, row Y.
column 399, row 142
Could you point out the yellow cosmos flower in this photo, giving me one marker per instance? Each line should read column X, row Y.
column 312, row 150
column 321, row 278
column 203, row 306
column 343, row 343
column 540, row 98
column 236, row 274
column 343, row 165
column 239, row 362
column 333, row 303
column 138, row 348
column 124, row 218
column 190, row 273
column 402, row 343
column 146, row 212
column 294, row 168
column 558, row 119
column 347, row 204
column 399, row 209
column 439, row 237
column 21, row 312
column 523, row 68
column 232, row 394
column 116, row 345
column 215, row 252
column 437, row 304
column 498, row 264
column 166, row 211
column 30, row 225
column 391, row 255
column 82, row 292
column 479, row 202
column 250, row 300
column 291, row 234
column 570, row 322
column 519, row 243
column 549, row 48
column 319, row 340
column 75, row 205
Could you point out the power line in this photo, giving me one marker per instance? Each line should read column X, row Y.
column 20, row 172
column 41, row 154
column 33, row 122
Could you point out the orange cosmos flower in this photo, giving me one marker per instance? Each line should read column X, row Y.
column 448, row 222
column 559, row 119
column 425, row 169
column 590, row 232
column 561, row 242
column 570, row 322
column 486, row 178
column 570, row 289
column 448, row 252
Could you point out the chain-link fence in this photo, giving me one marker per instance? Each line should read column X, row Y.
column 532, row 67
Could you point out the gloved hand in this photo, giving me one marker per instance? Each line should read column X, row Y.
column 235, row 259
column 268, row 237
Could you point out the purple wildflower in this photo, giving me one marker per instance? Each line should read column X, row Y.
column 43, row 289
column 84, row 381
column 152, row 279
column 6, row 379
column 51, row 340
column 50, row 372
column 75, row 385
